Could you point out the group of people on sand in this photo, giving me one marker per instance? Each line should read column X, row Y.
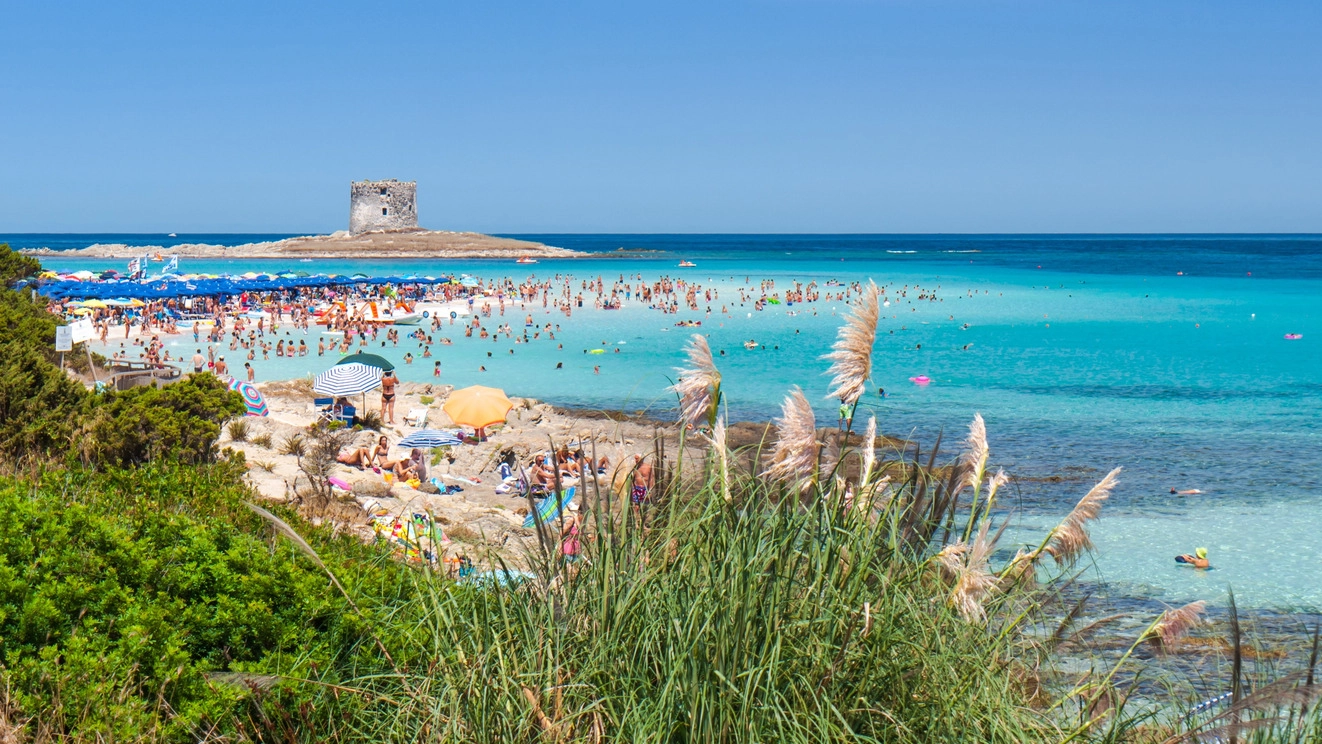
column 413, row 467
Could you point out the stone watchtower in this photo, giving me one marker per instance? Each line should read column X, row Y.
column 382, row 205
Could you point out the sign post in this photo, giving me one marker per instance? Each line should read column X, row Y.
column 63, row 342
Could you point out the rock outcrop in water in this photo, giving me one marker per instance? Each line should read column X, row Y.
column 377, row 244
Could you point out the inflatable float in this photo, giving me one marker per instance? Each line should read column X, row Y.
column 1293, row 336
column 920, row 380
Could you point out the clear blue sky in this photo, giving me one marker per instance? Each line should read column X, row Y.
column 675, row 116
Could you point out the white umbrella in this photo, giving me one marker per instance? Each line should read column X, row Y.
column 347, row 379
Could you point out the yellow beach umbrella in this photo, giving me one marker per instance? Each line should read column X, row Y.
column 477, row 406
column 135, row 302
column 96, row 304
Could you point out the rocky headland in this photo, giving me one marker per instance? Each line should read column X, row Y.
column 377, row 244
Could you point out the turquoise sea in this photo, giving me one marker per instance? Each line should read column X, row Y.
column 1163, row 354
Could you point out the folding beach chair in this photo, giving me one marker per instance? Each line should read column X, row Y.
column 417, row 417
column 325, row 409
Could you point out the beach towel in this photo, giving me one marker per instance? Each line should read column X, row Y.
column 550, row 508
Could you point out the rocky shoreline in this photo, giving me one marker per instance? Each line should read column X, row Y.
column 377, row 244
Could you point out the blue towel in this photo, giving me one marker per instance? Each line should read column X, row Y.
column 549, row 508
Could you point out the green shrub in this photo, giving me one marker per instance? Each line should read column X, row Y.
column 15, row 266
column 180, row 421
column 121, row 592
column 39, row 405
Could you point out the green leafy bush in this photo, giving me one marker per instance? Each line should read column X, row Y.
column 181, row 421
column 120, row 592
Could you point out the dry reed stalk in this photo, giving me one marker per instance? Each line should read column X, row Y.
column 1070, row 538
column 794, row 458
column 869, row 451
column 851, row 354
column 699, row 385
column 1175, row 622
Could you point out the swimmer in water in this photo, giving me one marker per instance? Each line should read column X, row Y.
column 1197, row 560
column 1187, row 492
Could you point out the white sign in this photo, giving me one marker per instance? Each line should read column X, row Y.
column 64, row 338
column 83, row 330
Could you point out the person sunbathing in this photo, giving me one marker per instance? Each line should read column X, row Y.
column 359, row 458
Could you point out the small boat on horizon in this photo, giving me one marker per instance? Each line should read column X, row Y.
column 171, row 235
column 526, row 260
column 687, row 264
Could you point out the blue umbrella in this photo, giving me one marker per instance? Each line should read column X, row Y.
column 430, row 438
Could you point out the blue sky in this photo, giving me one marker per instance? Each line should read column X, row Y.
column 677, row 116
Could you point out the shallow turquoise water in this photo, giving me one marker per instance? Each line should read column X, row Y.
column 1103, row 357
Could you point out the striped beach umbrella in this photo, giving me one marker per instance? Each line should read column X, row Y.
column 347, row 379
column 431, row 438
column 252, row 397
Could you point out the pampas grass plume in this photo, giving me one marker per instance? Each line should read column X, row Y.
column 794, row 457
column 851, row 354
column 1070, row 538
column 1175, row 622
column 699, row 385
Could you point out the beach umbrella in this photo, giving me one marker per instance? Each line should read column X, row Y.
column 95, row 303
column 429, row 438
column 252, row 397
column 347, row 379
column 371, row 360
column 477, row 406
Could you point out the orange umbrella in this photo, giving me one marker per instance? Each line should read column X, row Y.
column 477, row 406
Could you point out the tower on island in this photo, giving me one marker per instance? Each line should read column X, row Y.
column 382, row 205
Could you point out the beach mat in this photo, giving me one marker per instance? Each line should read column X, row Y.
column 549, row 508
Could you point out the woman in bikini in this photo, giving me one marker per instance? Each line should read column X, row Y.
column 388, row 383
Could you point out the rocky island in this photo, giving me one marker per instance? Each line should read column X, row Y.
column 376, row 244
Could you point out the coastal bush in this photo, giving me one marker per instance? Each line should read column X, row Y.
column 15, row 266
column 147, row 604
column 39, row 405
column 180, row 421
column 263, row 440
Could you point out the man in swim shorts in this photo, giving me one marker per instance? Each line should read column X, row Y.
column 643, row 480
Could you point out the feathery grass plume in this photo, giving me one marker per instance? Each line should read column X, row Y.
column 794, row 458
column 974, row 582
column 851, row 354
column 975, row 458
column 994, row 484
column 1175, row 622
column 718, row 440
column 869, row 451
column 951, row 558
column 1070, row 538
column 699, row 385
